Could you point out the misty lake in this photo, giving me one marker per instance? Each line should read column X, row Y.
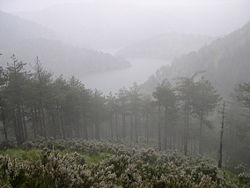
column 140, row 70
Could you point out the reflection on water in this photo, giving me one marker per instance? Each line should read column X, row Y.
column 139, row 71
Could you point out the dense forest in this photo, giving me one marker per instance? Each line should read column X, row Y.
column 184, row 116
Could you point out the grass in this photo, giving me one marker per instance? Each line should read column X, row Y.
column 34, row 154
column 20, row 154
column 90, row 158
column 230, row 176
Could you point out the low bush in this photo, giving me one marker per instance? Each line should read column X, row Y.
column 64, row 164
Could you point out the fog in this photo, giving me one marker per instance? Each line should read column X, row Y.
column 124, row 28
column 117, row 23
column 124, row 93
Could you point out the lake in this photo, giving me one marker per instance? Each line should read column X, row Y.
column 139, row 72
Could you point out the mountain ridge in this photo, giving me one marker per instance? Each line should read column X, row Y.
column 225, row 60
column 165, row 46
column 27, row 40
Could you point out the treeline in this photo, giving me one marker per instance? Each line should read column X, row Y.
column 179, row 116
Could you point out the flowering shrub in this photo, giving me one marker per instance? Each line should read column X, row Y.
column 244, row 178
column 124, row 167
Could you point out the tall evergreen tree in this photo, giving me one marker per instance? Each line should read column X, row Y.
column 134, row 98
column 15, row 92
column 185, row 88
column 166, row 97
column 205, row 99
column 97, row 114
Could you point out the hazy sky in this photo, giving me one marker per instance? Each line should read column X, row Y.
column 113, row 24
column 27, row 5
column 91, row 21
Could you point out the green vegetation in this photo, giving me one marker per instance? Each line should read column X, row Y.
column 20, row 154
column 74, row 164
column 35, row 154
column 90, row 158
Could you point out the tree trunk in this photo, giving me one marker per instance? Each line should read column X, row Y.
column 136, row 128
column 111, row 127
column 43, row 123
column 34, row 121
column 39, row 118
column 131, row 128
column 146, row 128
column 53, row 125
column 159, row 127
column 25, row 133
column 123, row 125
column 18, row 126
column 221, row 136
column 85, row 130
column 4, row 126
column 116, row 126
column 97, row 130
column 186, row 129
column 200, row 135
column 166, row 130
column 61, row 124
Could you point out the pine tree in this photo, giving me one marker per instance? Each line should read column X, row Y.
column 205, row 99
column 166, row 97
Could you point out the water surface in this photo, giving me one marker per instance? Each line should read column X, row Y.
column 140, row 70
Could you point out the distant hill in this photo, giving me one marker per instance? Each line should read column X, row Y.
column 226, row 62
column 13, row 28
column 167, row 46
column 28, row 40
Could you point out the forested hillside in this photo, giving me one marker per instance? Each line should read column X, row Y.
column 28, row 40
column 224, row 62
column 166, row 46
